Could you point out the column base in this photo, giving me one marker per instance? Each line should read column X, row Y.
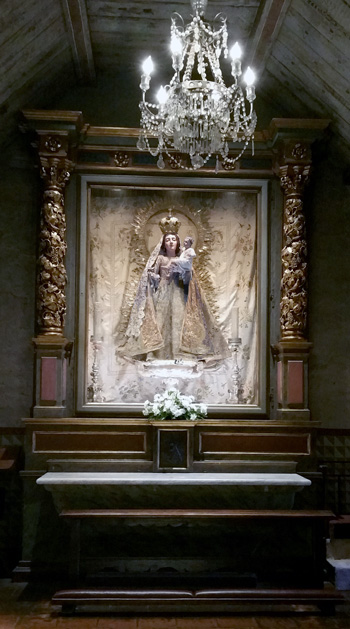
column 52, row 352
column 293, row 414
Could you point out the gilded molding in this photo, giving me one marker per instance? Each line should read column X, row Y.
column 300, row 151
column 52, row 276
column 52, row 144
column 293, row 315
column 121, row 159
column 229, row 164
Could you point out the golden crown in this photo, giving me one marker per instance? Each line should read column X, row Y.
column 169, row 223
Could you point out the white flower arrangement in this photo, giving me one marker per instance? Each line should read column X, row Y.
column 172, row 405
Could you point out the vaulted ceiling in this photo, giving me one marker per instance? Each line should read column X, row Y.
column 49, row 49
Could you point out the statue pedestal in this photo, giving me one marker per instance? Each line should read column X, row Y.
column 172, row 370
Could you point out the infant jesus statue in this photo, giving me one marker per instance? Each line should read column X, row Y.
column 184, row 261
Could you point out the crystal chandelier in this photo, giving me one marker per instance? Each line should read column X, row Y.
column 196, row 114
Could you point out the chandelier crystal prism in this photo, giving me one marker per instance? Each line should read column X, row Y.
column 197, row 115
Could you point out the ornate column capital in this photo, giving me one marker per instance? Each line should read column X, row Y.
column 55, row 171
column 294, row 178
column 55, row 157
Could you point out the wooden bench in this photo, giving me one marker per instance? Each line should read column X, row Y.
column 223, row 600
column 205, row 599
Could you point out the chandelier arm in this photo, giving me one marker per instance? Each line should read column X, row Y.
column 174, row 17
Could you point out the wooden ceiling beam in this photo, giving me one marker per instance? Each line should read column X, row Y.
column 76, row 18
column 268, row 21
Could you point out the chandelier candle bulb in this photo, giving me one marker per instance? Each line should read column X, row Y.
column 147, row 69
column 176, row 46
column 148, row 66
column 249, row 77
column 236, row 51
column 162, row 95
column 176, row 50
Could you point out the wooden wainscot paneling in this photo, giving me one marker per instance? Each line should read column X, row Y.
column 232, row 443
column 92, row 442
column 78, row 439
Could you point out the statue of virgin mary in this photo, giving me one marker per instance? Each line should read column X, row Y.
column 170, row 318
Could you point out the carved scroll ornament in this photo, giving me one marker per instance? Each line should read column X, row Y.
column 293, row 315
column 52, row 277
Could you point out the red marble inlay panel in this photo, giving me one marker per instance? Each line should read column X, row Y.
column 64, row 379
column 279, row 382
column 295, row 382
column 48, row 379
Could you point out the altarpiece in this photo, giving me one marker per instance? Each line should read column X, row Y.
column 101, row 206
column 120, row 227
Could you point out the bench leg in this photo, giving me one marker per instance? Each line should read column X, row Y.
column 327, row 608
column 74, row 560
column 68, row 609
column 319, row 553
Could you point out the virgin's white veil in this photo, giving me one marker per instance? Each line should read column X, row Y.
column 138, row 309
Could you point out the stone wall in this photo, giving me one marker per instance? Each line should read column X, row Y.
column 18, row 227
column 329, row 290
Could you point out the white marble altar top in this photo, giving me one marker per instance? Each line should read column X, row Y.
column 170, row 478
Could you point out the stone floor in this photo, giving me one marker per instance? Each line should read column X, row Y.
column 27, row 607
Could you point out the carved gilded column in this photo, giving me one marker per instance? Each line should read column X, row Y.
column 54, row 135
column 51, row 347
column 293, row 316
column 292, row 351
column 52, row 276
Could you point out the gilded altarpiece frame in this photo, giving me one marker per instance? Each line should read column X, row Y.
column 119, row 229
